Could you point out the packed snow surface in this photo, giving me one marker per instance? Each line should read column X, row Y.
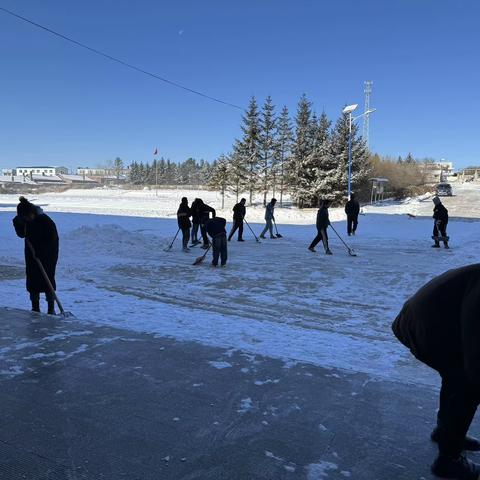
column 274, row 298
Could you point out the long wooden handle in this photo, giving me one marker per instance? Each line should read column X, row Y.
column 45, row 276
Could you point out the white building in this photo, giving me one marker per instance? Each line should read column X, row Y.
column 41, row 170
column 436, row 172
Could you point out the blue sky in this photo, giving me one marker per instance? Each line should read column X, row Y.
column 63, row 105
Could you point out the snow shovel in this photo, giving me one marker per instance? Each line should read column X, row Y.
column 250, row 228
column 171, row 245
column 47, row 280
column 349, row 250
column 199, row 260
column 276, row 229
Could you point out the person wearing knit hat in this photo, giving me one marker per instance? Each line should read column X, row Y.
column 183, row 218
column 440, row 221
column 32, row 224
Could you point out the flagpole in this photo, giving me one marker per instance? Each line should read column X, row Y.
column 156, row 172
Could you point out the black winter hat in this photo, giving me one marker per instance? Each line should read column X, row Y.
column 25, row 207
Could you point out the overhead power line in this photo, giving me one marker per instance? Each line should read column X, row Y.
column 117, row 60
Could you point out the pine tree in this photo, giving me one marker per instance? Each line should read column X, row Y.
column 237, row 174
column 409, row 159
column 248, row 147
column 267, row 143
column 360, row 158
column 219, row 177
column 326, row 167
column 302, row 147
column 282, row 152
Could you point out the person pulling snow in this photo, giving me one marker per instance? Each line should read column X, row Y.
column 269, row 218
column 440, row 326
column 216, row 229
column 440, row 222
column 183, row 218
column 195, row 221
column 204, row 215
column 352, row 209
column 323, row 222
column 32, row 224
column 239, row 212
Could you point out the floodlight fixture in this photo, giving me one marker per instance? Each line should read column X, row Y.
column 350, row 108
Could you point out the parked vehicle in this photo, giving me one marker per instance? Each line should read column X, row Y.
column 444, row 190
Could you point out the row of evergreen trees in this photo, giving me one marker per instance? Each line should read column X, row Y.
column 166, row 172
column 308, row 159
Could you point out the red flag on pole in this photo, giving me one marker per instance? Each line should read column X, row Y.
column 155, row 152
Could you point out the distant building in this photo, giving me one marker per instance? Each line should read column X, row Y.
column 48, row 171
column 93, row 172
column 436, row 172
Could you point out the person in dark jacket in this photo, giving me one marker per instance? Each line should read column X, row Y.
column 352, row 209
column 440, row 325
column 216, row 229
column 239, row 212
column 183, row 218
column 269, row 219
column 195, row 221
column 204, row 211
column 322, row 224
column 39, row 232
column 440, row 221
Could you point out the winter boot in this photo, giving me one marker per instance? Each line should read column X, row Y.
column 459, row 468
column 312, row 249
column 36, row 305
column 186, row 249
column 436, row 245
column 328, row 252
column 446, row 245
column 471, row 444
column 262, row 236
column 51, row 308
column 241, row 240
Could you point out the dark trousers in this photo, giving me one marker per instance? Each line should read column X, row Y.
column 237, row 224
column 195, row 232
column 203, row 231
column 439, row 230
column 352, row 223
column 321, row 235
column 186, row 236
column 219, row 246
column 458, row 404
column 35, row 297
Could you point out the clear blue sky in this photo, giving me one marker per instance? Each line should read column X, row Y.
column 63, row 105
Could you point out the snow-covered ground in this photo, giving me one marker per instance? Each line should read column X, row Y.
column 274, row 298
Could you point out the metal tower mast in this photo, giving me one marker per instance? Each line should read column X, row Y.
column 366, row 119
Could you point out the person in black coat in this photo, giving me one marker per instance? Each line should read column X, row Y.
column 239, row 212
column 183, row 218
column 440, row 325
column 195, row 221
column 322, row 224
column 216, row 229
column 204, row 211
column 352, row 209
column 440, row 222
column 40, row 231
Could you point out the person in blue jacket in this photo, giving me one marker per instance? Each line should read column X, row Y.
column 269, row 218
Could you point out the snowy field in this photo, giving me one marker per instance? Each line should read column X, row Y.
column 274, row 298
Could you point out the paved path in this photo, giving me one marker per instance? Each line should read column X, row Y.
column 85, row 402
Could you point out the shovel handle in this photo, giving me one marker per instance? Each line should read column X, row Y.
column 45, row 276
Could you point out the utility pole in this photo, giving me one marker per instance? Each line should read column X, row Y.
column 366, row 119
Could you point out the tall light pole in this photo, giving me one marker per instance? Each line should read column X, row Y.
column 348, row 110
